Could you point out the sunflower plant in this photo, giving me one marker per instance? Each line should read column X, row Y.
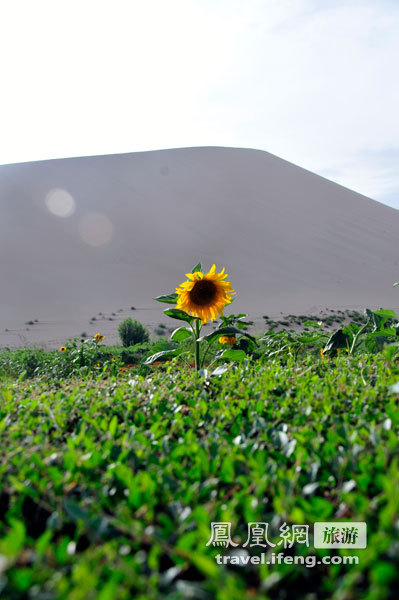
column 199, row 300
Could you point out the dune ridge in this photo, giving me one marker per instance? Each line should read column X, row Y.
column 290, row 240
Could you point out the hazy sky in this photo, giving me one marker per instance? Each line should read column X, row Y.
column 314, row 82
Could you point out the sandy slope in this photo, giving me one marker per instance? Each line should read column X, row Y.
column 290, row 240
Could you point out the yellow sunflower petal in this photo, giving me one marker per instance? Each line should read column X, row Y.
column 204, row 296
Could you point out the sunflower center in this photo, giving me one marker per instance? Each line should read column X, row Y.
column 203, row 293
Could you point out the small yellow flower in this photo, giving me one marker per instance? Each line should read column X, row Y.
column 97, row 366
column 228, row 339
column 98, row 337
column 63, row 349
column 322, row 353
column 114, row 359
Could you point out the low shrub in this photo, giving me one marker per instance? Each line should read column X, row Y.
column 132, row 332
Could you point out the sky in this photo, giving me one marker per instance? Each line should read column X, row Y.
column 312, row 81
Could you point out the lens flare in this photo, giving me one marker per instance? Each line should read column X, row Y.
column 96, row 229
column 60, row 202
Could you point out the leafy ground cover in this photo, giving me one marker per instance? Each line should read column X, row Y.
column 109, row 481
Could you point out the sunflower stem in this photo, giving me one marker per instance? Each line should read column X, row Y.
column 206, row 352
column 197, row 345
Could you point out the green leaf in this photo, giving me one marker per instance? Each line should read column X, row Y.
column 310, row 488
column 383, row 332
column 236, row 355
column 176, row 313
column 227, row 470
column 230, row 330
column 380, row 317
column 180, row 334
column 164, row 355
column 382, row 573
column 376, row 320
column 376, row 341
column 220, row 370
column 168, row 298
column 205, row 564
column 198, row 267
column 312, row 324
column 351, row 329
column 311, row 338
column 43, row 542
column 386, row 312
column 339, row 339
column 75, row 512
column 13, row 542
column 109, row 590
column 113, row 426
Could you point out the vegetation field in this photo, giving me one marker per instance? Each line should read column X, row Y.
column 111, row 475
column 136, row 471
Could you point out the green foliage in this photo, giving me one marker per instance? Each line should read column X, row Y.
column 108, row 486
column 132, row 332
column 81, row 358
column 180, row 334
column 180, row 315
column 134, row 354
column 198, row 267
column 24, row 362
column 167, row 298
column 220, row 331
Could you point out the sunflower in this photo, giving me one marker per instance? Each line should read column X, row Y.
column 322, row 353
column 227, row 339
column 98, row 337
column 63, row 349
column 204, row 296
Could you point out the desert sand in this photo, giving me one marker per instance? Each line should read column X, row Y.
column 290, row 240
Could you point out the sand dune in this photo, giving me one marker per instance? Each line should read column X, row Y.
column 290, row 240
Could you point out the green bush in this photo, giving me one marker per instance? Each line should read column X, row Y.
column 132, row 332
